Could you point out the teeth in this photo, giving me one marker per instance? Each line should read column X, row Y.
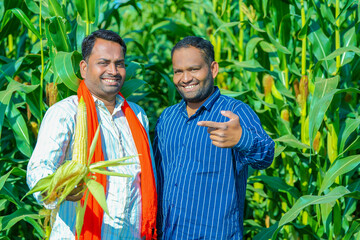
column 188, row 87
column 109, row 80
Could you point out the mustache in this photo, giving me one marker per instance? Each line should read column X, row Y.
column 116, row 77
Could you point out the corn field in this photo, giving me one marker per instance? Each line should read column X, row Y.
column 295, row 62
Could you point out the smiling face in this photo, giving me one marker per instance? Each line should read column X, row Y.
column 193, row 76
column 104, row 71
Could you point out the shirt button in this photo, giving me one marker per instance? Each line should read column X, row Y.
column 176, row 184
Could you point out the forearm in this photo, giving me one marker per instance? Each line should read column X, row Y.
column 255, row 147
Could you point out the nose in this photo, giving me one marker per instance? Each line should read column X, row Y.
column 187, row 77
column 112, row 69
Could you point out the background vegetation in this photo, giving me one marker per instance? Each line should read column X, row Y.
column 295, row 62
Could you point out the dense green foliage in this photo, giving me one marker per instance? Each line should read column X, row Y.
column 295, row 62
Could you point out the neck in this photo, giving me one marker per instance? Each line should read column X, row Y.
column 109, row 103
column 192, row 107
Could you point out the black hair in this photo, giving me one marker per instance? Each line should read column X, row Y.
column 88, row 42
column 203, row 45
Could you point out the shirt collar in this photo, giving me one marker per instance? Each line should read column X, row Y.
column 207, row 104
column 119, row 102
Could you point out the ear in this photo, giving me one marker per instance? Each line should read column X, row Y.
column 214, row 68
column 83, row 68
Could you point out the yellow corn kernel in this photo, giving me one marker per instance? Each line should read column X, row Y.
column 80, row 142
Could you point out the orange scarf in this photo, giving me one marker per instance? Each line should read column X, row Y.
column 94, row 213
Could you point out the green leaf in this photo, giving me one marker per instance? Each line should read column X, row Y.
column 326, row 209
column 278, row 45
column 93, row 145
column 250, row 47
column 308, row 200
column 110, row 163
column 279, row 150
column 131, row 69
column 9, row 68
column 340, row 51
column 339, row 167
column 355, row 228
column 173, row 27
column 304, row 30
column 4, row 178
column 170, row 85
column 277, row 184
column 250, row 65
column 266, row 233
column 35, row 224
column 55, row 9
column 56, row 33
column 140, row 47
column 22, row 17
column 32, row 6
column 97, row 190
column 20, row 130
column 317, row 110
column 321, row 105
column 131, row 86
column 226, row 25
column 350, row 126
column 111, row 173
column 40, row 186
column 6, row 222
column 10, row 193
column 80, row 214
column 321, row 43
column 5, row 96
column 67, row 64
column 267, row 47
column 349, row 40
column 86, row 9
column 232, row 93
column 291, row 141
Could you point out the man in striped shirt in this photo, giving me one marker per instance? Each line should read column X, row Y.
column 203, row 147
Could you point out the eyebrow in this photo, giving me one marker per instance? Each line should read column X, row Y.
column 107, row 60
column 189, row 67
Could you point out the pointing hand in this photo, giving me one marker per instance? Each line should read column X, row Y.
column 224, row 134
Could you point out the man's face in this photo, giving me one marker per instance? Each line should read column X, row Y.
column 193, row 77
column 104, row 72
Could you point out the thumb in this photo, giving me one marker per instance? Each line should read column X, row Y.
column 229, row 114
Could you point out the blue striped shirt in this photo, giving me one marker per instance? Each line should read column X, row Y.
column 54, row 146
column 201, row 187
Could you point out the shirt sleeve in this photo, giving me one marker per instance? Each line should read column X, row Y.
column 156, row 148
column 51, row 148
column 255, row 147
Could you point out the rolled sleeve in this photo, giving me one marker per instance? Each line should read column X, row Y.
column 246, row 141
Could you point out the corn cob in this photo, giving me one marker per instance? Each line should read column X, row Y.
column 80, row 143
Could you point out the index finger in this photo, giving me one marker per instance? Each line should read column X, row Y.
column 211, row 124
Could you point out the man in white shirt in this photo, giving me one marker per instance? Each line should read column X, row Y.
column 103, row 70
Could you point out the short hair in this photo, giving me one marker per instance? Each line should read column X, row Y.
column 88, row 42
column 203, row 45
